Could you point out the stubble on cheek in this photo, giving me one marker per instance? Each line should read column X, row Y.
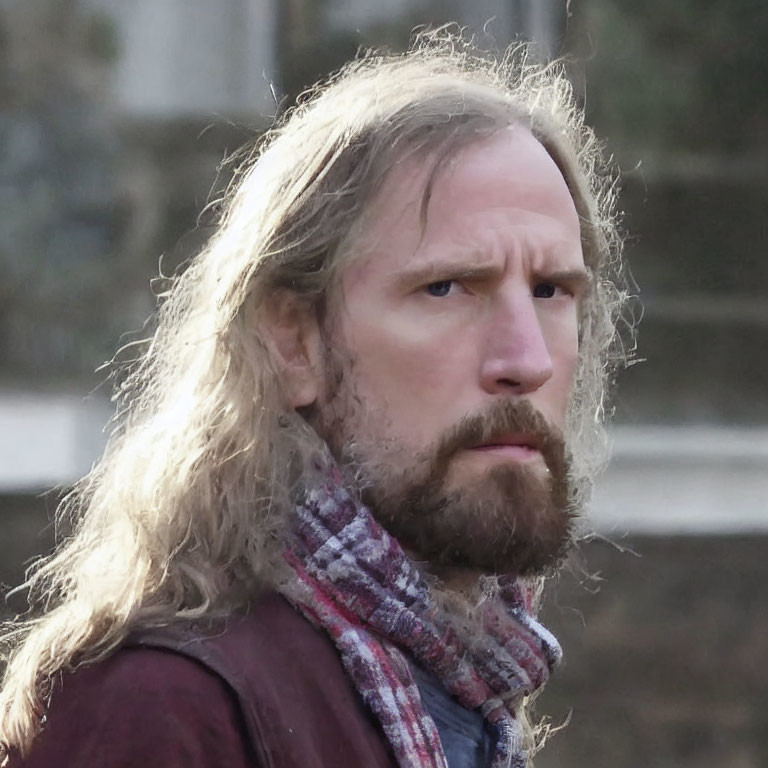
column 509, row 518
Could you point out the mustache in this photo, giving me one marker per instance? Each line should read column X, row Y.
column 503, row 418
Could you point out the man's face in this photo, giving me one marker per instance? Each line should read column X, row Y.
column 454, row 345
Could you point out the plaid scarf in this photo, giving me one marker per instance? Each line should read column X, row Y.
column 350, row 577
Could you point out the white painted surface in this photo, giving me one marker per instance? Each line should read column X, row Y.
column 194, row 57
column 684, row 480
column 48, row 440
column 661, row 480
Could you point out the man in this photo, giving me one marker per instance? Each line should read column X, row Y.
column 351, row 449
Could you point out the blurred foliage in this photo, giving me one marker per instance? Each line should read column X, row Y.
column 679, row 90
column 101, row 38
column 58, row 191
column 688, row 75
column 312, row 48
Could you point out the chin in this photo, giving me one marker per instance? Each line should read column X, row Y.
column 512, row 519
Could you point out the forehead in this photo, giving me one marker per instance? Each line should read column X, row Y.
column 487, row 194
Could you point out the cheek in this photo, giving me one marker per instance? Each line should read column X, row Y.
column 409, row 361
column 412, row 371
column 562, row 337
column 561, row 331
column 568, row 354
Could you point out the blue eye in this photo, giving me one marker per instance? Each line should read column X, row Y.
column 544, row 290
column 440, row 288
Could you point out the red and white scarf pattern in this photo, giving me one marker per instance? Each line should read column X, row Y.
column 350, row 577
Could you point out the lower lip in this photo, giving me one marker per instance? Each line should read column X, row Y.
column 518, row 452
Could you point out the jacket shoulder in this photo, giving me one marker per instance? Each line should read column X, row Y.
column 299, row 705
column 141, row 706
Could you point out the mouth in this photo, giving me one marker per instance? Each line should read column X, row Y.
column 513, row 446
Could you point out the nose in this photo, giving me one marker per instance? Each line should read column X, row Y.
column 517, row 359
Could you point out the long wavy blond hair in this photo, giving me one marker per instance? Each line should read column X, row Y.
column 180, row 516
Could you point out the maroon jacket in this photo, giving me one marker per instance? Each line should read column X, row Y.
column 266, row 690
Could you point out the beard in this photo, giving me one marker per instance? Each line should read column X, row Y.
column 513, row 518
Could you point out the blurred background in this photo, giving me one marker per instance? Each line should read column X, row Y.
column 114, row 115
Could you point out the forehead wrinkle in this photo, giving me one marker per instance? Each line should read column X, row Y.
column 394, row 212
column 557, row 255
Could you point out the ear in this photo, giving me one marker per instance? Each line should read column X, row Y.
column 291, row 333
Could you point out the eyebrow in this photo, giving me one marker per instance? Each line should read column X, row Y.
column 578, row 279
column 447, row 271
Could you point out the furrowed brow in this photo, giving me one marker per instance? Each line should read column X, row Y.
column 459, row 270
column 578, row 280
